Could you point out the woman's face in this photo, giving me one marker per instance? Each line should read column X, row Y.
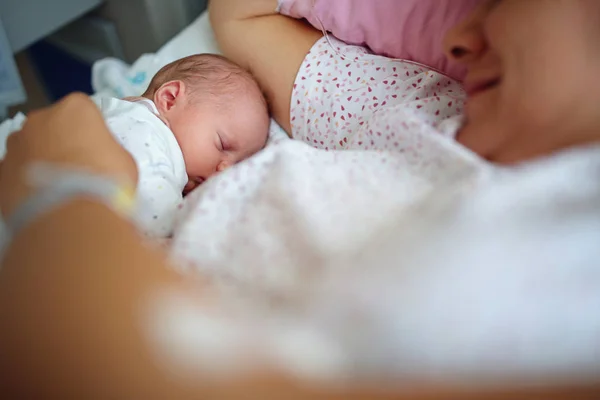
column 533, row 76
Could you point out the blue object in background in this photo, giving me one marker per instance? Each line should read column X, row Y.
column 60, row 72
column 11, row 88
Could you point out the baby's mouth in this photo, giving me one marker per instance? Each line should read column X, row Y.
column 192, row 184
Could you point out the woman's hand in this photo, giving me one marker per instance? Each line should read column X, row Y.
column 71, row 133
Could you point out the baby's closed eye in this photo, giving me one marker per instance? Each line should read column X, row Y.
column 220, row 143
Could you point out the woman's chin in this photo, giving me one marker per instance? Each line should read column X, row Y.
column 464, row 131
column 481, row 104
column 471, row 136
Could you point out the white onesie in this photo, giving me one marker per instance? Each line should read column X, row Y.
column 161, row 167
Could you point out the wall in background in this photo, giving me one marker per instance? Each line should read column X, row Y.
column 120, row 28
column 146, row 25
column 26, row 21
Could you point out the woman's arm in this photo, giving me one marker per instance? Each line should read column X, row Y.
column 272, row 47
column 70, row 291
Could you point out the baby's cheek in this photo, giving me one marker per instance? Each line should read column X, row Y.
column 195, row 160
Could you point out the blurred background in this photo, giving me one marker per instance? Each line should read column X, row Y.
column 47, row 48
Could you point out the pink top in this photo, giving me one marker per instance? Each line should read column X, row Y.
column 407, row 29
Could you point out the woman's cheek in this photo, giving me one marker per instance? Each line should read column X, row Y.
column 480, row 107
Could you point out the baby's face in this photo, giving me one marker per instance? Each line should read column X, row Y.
column 213, row 138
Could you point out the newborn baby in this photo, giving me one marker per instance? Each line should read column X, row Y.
column 200, row 115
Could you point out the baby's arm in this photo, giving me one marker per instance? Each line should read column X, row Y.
column 159, row 199
column 160, row 182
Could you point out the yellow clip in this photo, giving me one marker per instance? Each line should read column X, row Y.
column 124, row 200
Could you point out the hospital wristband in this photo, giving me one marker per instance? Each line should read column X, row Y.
column 56, row 186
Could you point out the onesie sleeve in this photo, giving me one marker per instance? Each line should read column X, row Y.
column 159, row 200
column 161, row 181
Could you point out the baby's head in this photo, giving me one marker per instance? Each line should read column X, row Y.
column 215, row 110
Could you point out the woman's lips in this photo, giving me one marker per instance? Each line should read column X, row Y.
column 477, row 87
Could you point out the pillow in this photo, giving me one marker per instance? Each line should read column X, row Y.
column 407, row 29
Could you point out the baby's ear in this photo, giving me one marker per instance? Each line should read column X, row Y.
column 169, row 95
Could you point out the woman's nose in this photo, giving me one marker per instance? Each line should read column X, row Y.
column 466, row 41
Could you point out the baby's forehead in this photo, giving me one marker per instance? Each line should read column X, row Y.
column 234, row 97
column 241, row 113
column 228, row 95
column 247, row 120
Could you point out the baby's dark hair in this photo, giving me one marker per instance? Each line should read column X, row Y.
column 208, row 74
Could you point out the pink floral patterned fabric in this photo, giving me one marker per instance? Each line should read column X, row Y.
column 346, row 98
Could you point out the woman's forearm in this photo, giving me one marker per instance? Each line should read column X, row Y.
column 72, row 290
column 70, row 287
column 73, row 287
